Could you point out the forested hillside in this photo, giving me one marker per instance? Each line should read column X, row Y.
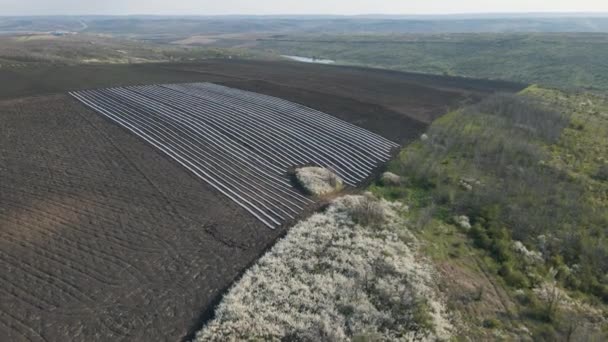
column 576, row 60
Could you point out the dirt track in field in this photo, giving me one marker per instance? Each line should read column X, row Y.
column 102, row 238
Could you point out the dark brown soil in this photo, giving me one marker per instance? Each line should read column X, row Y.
column 102, row 238
column 393, row 104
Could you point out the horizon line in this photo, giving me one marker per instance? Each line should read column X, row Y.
column 527, row 13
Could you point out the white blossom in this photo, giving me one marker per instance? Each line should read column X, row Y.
column 330, row 279
column 318, row 181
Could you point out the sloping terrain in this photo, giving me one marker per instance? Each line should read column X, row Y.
column 511, row 198
column 102, row 237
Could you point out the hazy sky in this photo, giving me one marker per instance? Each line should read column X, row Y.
column 209, row 7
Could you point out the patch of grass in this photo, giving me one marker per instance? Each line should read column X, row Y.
column 367, row 211
column 447, row 242
column 421, row 315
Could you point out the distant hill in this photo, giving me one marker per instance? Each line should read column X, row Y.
column 185, row 25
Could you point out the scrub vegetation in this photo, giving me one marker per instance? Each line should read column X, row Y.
column 513, row 189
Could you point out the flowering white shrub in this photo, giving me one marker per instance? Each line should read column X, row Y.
column 318, row 181
column 331, row 279
column 533, row 256
column 463, row 222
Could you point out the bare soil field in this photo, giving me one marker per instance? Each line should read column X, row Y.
column 244, row 144
column 393, row 104
column 103, row 238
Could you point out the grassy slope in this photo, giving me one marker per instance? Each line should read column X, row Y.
column 525, row 184
column 563, row 60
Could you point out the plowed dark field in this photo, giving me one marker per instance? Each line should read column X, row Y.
column 103, row 238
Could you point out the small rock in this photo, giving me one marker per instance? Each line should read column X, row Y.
column 389, row 178
column 424, row 137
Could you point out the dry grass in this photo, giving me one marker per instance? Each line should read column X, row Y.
column 368, row 211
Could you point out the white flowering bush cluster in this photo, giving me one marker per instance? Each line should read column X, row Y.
column 318, row 181
column 530, row 256
column 463, row 222
column 331, row 279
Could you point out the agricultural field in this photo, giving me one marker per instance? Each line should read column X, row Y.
column 105, row 237
column 241, row 143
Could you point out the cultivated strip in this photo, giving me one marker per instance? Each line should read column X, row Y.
column 242, row 143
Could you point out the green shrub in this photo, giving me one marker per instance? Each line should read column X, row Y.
column 599, row 290
column 491, row 323
column 422, row 315
column 602, row 173
column 513, row 277
column 480, row 237
column 545, row 332
column 501, row 250
column 368, row 211
column 527, row 298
